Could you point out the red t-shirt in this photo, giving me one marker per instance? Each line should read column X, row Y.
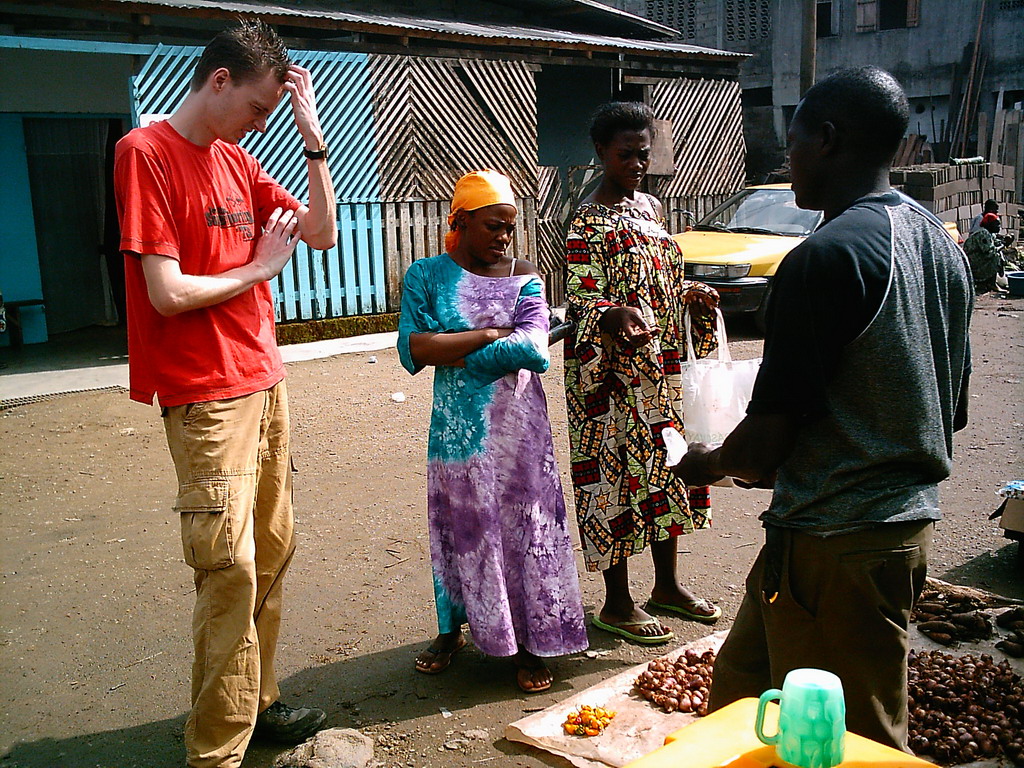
column 205, row 207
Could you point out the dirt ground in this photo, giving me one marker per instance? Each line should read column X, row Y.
column 95, row 599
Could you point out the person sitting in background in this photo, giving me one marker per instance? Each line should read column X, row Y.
column 991, row 208
column 984, row 253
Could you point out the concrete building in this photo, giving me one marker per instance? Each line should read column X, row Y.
column 927, row 44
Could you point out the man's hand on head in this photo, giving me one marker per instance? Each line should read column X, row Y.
column 299, row 84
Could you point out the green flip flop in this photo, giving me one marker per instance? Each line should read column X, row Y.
column 710, row 618
column 620, row 629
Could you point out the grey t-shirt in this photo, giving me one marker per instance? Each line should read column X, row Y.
column 867, row 343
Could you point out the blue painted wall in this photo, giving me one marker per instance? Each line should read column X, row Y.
column 19, row 258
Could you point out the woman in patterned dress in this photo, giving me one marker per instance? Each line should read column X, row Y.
column 627, row 294
column 499, row 540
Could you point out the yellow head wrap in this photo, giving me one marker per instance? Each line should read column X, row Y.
column 477, row 189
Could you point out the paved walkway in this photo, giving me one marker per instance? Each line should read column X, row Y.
column 41, row 383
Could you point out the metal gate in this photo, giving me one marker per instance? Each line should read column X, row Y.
column 349, row 279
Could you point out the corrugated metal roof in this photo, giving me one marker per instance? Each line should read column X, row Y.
column 407, row 25
column 596, row 11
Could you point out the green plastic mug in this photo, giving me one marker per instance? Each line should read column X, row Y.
column 812, row 719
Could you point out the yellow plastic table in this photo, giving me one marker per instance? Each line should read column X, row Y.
column 726, row 739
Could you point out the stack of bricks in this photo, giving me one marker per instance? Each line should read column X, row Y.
column 958, row 192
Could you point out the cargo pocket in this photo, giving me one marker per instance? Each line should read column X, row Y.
column 206, row 536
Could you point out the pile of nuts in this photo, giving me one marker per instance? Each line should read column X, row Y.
column 965, row 708
column 681, row 685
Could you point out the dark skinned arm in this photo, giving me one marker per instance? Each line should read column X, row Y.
column 451, row 348
column 753, row 452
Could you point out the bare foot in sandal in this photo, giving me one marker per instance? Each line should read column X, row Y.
column 439, row 654
column 633, row 624
column 532, row 674
column 683, row 602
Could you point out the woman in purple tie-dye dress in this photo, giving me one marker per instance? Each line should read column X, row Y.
column 500, row 549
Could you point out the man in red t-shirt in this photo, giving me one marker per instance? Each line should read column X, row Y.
column 203, row 228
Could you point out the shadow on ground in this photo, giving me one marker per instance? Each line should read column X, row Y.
column 999, row 570
column 86, row 348
column 359, row 692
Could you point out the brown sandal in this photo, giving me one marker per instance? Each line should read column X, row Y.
column 445, row 655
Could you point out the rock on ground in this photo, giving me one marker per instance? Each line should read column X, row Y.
column 333, row 748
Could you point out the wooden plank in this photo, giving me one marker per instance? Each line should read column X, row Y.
column 346, row 244
column 995, row 151
column 418, row 231
column 394, row 267
column 532, row 245
column 378, row 256
column 430, row 220
column 1018, row 168
column 982, row 134
column 405, row 234
column 275, row 296
column 335, row 287
column 443, row 207
column 1011, row 130
column 303, row 281
column 362, row 241
column 319, row 283
column 289, row 305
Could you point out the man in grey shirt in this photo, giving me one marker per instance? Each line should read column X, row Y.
column 863, row 382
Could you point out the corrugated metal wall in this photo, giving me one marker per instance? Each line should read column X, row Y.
column 436, row 119
column 708, row 148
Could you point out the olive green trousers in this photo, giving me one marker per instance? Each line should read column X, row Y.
column 842, row 603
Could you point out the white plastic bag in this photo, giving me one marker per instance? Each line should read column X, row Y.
column 715, row 392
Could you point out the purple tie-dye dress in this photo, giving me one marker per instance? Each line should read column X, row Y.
column 499, row 541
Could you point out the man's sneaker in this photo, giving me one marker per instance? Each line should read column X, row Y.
column 279, row 722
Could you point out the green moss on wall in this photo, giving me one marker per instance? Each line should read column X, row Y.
column 336, row 328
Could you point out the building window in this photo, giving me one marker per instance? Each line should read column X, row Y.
column 828, row 18
column 873, row 15
column 748, row 20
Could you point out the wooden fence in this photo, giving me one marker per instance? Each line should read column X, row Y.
column 416, row 230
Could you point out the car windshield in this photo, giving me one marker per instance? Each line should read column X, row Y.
column 762, row 211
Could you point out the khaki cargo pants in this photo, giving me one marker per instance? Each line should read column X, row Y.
column 843, row 604
column 234, row 498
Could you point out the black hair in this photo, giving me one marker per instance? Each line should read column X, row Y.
column 617, row 116
column 866, row 105
column 248, row 51
column 991, row 206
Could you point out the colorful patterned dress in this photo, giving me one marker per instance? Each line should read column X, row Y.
column 499, row 540
column 620, row 398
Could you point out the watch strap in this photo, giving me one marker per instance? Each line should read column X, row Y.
column 316, row 154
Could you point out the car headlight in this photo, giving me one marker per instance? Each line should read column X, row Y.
column 720, row 270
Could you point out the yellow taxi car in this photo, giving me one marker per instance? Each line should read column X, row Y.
column 738, row 246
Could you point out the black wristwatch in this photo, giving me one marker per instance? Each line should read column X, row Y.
column 316, row 154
